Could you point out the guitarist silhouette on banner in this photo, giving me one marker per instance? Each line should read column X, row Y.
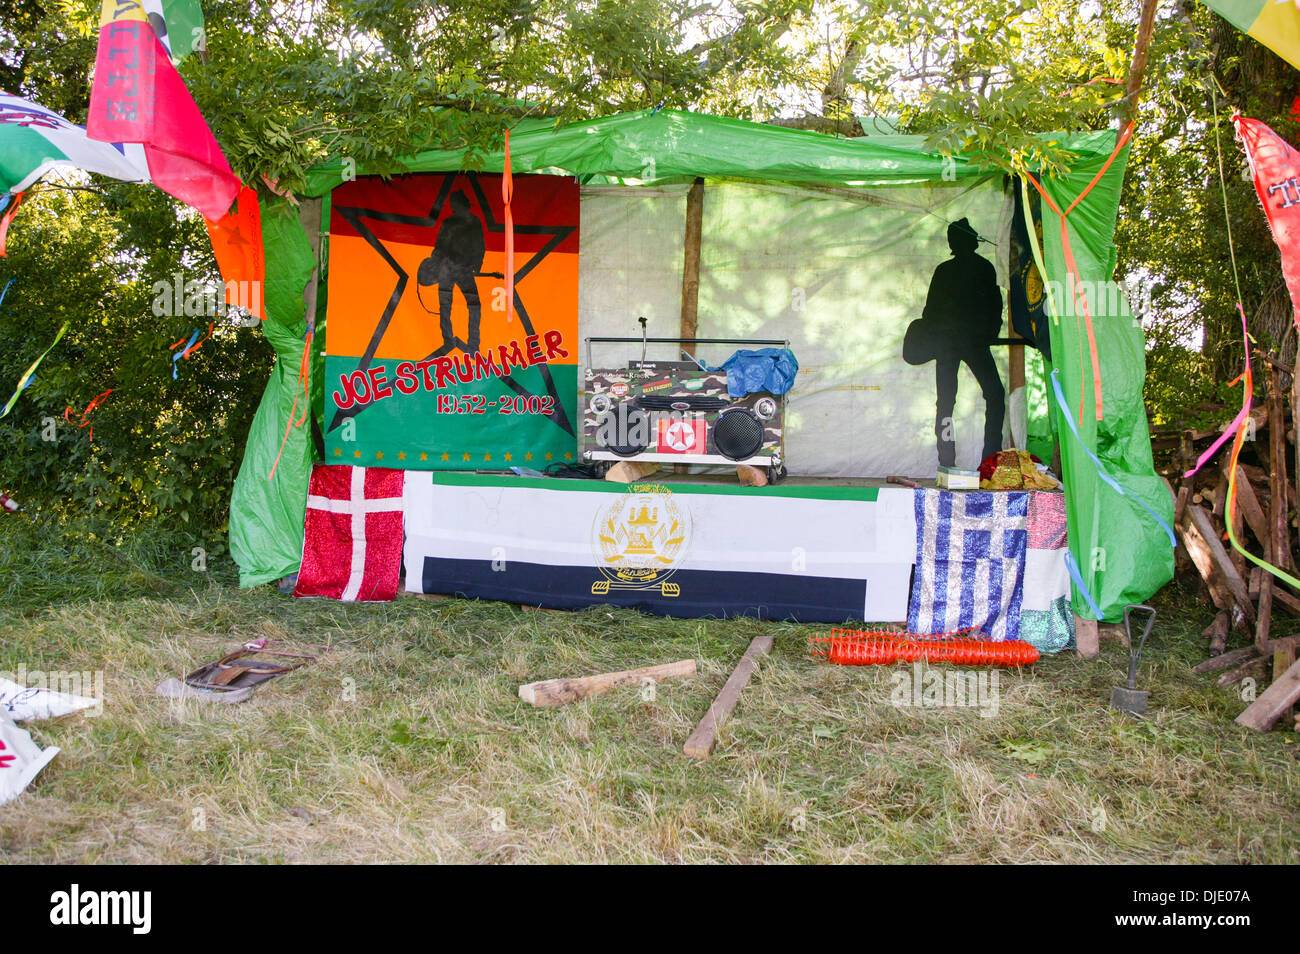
column 962, row 316
column 454, row 263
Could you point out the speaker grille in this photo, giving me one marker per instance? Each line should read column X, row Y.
column 628, row 426
column 737, row 434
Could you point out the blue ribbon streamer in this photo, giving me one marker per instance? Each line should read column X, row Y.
column 1067, row 413
column 5, row 291
column 1075, row 575
column 179, row 354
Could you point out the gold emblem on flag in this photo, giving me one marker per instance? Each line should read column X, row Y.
column 640, row 540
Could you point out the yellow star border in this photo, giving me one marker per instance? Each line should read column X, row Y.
column 507, row 456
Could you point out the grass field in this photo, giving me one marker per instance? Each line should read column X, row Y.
column 407, row 742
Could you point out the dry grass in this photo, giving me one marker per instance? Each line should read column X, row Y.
column 408, row 742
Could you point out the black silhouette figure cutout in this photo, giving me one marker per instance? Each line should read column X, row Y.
column 962, row 316
column 454, row 263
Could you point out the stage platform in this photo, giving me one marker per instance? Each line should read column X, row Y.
column 807, row 550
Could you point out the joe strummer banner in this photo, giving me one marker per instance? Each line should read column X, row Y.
column 425, row 367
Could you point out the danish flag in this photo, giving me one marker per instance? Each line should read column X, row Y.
column 352, row 540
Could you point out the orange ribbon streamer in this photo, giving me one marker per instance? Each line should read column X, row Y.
column 507, row 193
column 1072, row 267
column 85, row 415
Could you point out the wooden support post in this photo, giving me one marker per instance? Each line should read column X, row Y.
column 1295, row 426
column 690, row 317
column 1217, row 633
column 1283, row 660
column 705, row 737
column 1087, row 637
column 691, row 266
column 559, row 692
column 1279, row 482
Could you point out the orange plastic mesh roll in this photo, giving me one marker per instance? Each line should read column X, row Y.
column 856, row 647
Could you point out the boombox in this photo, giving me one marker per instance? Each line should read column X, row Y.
column 676, row 412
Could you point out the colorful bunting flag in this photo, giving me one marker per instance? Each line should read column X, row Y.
column 1275, row 166
column 237, row 243
column 1275, row 23
column 178, row 24
column 21, row 759
column 138, row 97
column 34, row 140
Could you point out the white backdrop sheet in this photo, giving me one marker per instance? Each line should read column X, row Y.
column 839, row 274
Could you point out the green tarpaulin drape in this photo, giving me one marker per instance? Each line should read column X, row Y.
column 266, row 514
column 1123, row 553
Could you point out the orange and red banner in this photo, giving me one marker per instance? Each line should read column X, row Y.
column 237, row 244
column 429, row 366
column 138, row 97
column 1275, row 166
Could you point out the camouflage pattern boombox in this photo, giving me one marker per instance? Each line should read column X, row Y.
column 676, row 412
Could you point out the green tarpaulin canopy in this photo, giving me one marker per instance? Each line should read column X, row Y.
column 1123, row 553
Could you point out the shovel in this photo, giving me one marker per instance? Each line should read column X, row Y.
column 1128, row 697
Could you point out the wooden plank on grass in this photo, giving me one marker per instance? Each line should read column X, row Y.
column 1273, row 701
column 705, row 737
column 559, row 692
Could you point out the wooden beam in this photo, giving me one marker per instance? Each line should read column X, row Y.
column 1273, row 702
column 705, row 737
column 691, row 266
column 1202, row 542
column 1283, row 660
column 560, row 692
column 1249, row 506
column 1278, row 481
column 1235, row 657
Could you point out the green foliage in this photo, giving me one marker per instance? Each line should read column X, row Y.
column 161, row 448
column 288, row 83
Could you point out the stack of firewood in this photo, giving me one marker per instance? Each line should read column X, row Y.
column 1243, row 597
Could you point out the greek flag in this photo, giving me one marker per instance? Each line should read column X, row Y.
column 970, row 562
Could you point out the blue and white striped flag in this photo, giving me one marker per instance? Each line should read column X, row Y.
column 970, row 562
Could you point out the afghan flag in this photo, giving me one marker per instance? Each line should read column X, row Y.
column 1275, row 166
column 138, row 97
column 1275, row 23
column 34, row 140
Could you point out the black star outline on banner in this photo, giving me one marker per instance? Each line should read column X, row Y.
column 354, row 216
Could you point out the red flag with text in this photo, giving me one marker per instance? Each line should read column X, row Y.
column 1275, row 166
column 138, row 97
